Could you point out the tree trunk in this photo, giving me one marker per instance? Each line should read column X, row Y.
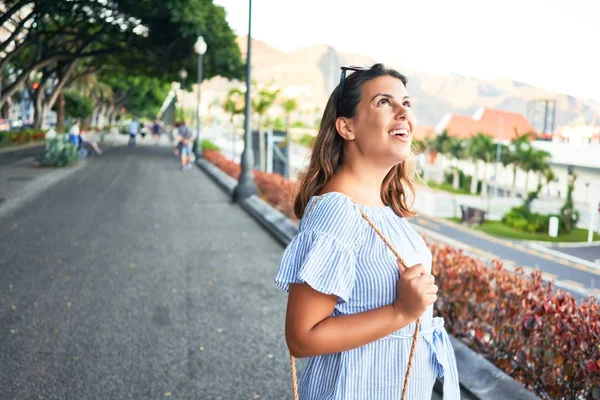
column 63, row 77
column 60, row 112
column 526, row 182
column 456, row 179
column 484, row 187
column 38, row 108
column 513, row 190
column 475, row 177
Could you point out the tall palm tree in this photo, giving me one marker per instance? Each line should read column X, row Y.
column 458, row 151
column 264, row 97
column 480, row 147
column 234, row 103
column 518, row 149
column 541, row 164
column 534, row 160
column 441, row 145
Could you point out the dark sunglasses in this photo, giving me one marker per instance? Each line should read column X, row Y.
column 343, row 79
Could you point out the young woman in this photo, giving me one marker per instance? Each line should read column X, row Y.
column 352, row 306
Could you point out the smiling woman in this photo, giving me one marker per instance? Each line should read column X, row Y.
column 356, row 307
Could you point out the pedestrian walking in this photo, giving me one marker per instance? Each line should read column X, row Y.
column 134, row 127
column 186, row 138
column 361, row 293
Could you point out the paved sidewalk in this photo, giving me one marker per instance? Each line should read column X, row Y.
column 130, row 279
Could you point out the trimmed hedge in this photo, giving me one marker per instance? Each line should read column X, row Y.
column 539, row 337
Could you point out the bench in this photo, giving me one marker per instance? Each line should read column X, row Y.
column 472, row 215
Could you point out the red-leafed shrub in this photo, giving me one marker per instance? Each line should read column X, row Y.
column 19, row 137
column 539, row 336
column 231, row 168
column 272, row 188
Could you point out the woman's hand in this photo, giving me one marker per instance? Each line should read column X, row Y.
column 415, row 291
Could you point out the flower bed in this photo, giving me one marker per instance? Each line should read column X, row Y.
column 272, row 188
column 540, row 337
column 14, row 138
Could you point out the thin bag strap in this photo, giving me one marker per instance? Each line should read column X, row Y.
column 417, row 323
column 413, row 345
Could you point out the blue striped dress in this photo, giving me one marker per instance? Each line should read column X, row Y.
column 337, row 252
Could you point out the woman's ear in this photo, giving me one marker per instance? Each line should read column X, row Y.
column 344, row 128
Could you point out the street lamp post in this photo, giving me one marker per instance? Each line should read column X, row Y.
column 200, row 49
column 245, row 187
column 182, row 74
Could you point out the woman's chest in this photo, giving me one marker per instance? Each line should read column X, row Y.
column 377, row 269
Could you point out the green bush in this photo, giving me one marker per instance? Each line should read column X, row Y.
column 60, row 152
column 522, row 219
column 208, row 145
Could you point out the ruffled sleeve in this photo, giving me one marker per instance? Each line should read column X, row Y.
column 323, row 254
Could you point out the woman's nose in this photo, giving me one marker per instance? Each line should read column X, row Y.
column 401, row 112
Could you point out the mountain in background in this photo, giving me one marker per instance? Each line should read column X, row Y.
column 311, row 73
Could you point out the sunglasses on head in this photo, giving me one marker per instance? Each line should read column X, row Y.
column 343, row 78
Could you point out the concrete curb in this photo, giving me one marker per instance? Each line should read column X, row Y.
column 36, row 187
column 280, row 226
column 478, row 377
column 482, row 379
column 564, row 245
column 564, row 256
column 226, row 182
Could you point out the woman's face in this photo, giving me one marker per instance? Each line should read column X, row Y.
column 383, row 125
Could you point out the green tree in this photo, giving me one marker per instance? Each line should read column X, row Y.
column 456, row 149
column 441, row 145
column 289, row 106
column 519, row 146
column 77, row 106
column 152, row 38
column 263, row 97
column 533, row 160
column 234, row 103
column 480, row 147
column 568, row 214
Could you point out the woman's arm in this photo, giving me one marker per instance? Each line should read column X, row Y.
column 311, row 330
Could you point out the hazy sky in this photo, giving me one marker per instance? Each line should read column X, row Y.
column 552, row 44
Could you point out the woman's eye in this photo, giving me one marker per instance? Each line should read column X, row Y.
column 407, row 104
column 383, row 101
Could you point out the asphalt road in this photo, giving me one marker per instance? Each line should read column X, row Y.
column 574, row 274
column 9, row 157
column 133, row 280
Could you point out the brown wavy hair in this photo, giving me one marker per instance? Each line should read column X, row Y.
column 328, row 150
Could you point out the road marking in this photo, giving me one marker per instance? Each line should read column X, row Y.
column 528, row 270
column 549, row 277
column 518, row 247
column 570, row 282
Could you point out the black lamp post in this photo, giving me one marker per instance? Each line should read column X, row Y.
column 200, row 49
column 246, row 187
column 182, row 74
